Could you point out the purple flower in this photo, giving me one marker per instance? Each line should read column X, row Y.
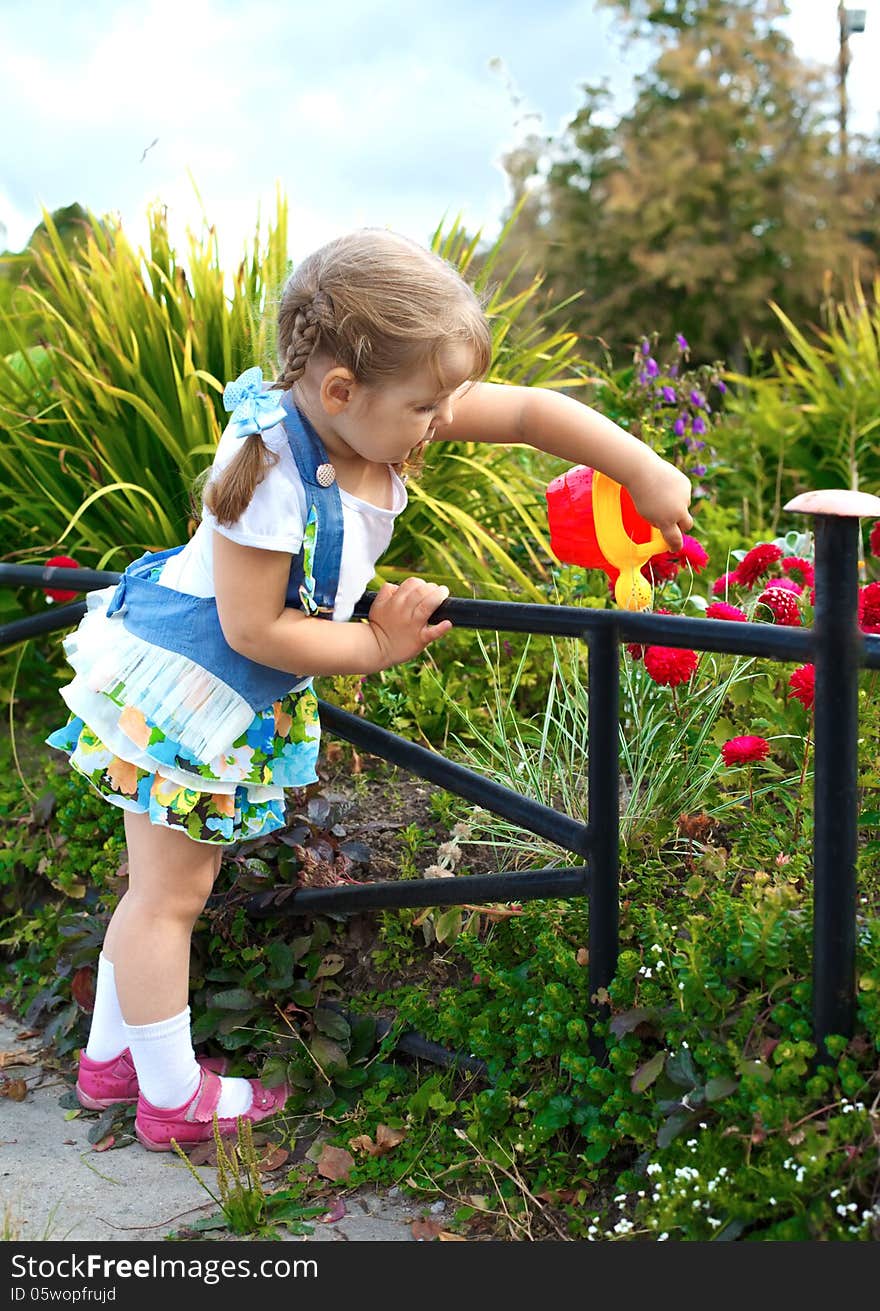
column 652, row 368
column 646, row 346
column 699, row 426
column 669, row 395
column 681, row 342
column 697, row 399
column 721, row 386
column 698, row 470
column 673, row 370
column 680, row 424
column 643, row 377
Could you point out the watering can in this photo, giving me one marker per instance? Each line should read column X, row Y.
column 594, row 523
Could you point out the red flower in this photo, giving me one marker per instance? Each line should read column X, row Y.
column 63, row 562
column 722, row 585
column 802, row 569
column 758, row 561
column 661, row 568
column 721, row 610
column 869, row 608
column 784, row 606
column 874, row 538
column 803, row 685
column 670, row 665
column 787, row 585
column 743, row 750
column 666, row 564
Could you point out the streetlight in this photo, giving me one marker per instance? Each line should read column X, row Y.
column 851, row 21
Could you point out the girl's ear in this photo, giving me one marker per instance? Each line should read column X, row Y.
column 337, row 389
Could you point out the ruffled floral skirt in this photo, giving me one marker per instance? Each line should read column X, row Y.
column 120, row 738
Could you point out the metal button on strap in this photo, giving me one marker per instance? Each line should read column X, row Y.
column 325, row 475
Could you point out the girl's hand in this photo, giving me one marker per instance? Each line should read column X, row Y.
column 661, row 494
column 399, row 619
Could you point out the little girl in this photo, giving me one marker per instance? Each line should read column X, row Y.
column 192, row 706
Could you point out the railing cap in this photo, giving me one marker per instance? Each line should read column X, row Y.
column 837, row 501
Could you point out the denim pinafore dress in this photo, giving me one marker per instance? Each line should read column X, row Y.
column 167, row 719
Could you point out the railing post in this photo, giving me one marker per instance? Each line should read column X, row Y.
column 604, row 808
column 836, row 729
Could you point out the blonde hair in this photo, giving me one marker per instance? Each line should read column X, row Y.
column 375, row 303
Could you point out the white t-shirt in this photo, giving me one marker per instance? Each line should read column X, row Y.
column 275, row 521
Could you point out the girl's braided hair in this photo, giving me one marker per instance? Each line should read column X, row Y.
column 376, row 303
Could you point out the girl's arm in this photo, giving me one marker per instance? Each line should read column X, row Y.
column 250, row 585
column 551, row 422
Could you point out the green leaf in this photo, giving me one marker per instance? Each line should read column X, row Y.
column 447, row 925
column 648, row 1072
column 556, row 1114
column 234, row 999
column 672, row 1127
column 331, row 1023
column 363, row 1037
column 681, row 1069
column 755, row 1069
column 328, row 1054
column 720, row 1087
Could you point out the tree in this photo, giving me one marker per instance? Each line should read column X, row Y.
column 713, row 195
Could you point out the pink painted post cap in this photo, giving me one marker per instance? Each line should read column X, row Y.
column 837, row 501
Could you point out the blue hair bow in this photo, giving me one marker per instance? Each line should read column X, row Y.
column 253, row 409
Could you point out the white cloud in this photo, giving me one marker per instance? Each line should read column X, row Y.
column 385, row 113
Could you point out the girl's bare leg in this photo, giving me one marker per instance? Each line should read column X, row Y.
column 170, row 878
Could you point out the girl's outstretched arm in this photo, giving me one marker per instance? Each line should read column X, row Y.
column 551, row 422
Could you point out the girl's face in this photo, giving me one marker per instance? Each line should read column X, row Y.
column 384, row 422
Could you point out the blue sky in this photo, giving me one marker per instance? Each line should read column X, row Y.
column 387, row 113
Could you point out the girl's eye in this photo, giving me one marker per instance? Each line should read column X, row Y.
column 426, row 409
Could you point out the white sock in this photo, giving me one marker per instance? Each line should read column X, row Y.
column 167, row 1071
column 107, row 1037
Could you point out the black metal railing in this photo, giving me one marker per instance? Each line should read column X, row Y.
column 834, row 645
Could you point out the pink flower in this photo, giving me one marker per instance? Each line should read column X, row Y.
column 794, row 564
column 787, row 585
column 721, row 610
column 62, row 562
column 759, row 560
column 670, row 665
column 692, row 553
column 803, row 685
column 722, row 585
column 743, row 750
column 784, row 606
column 874, row 538
column 869, row 608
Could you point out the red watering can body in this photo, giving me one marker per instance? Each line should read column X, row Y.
column 594, row 523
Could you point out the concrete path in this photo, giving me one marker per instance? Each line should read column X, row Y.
column 55, row 1187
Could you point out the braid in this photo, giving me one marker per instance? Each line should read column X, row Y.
column 309, row 322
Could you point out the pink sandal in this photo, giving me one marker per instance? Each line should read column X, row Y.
column 193, row 1122
column 101, row 1084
